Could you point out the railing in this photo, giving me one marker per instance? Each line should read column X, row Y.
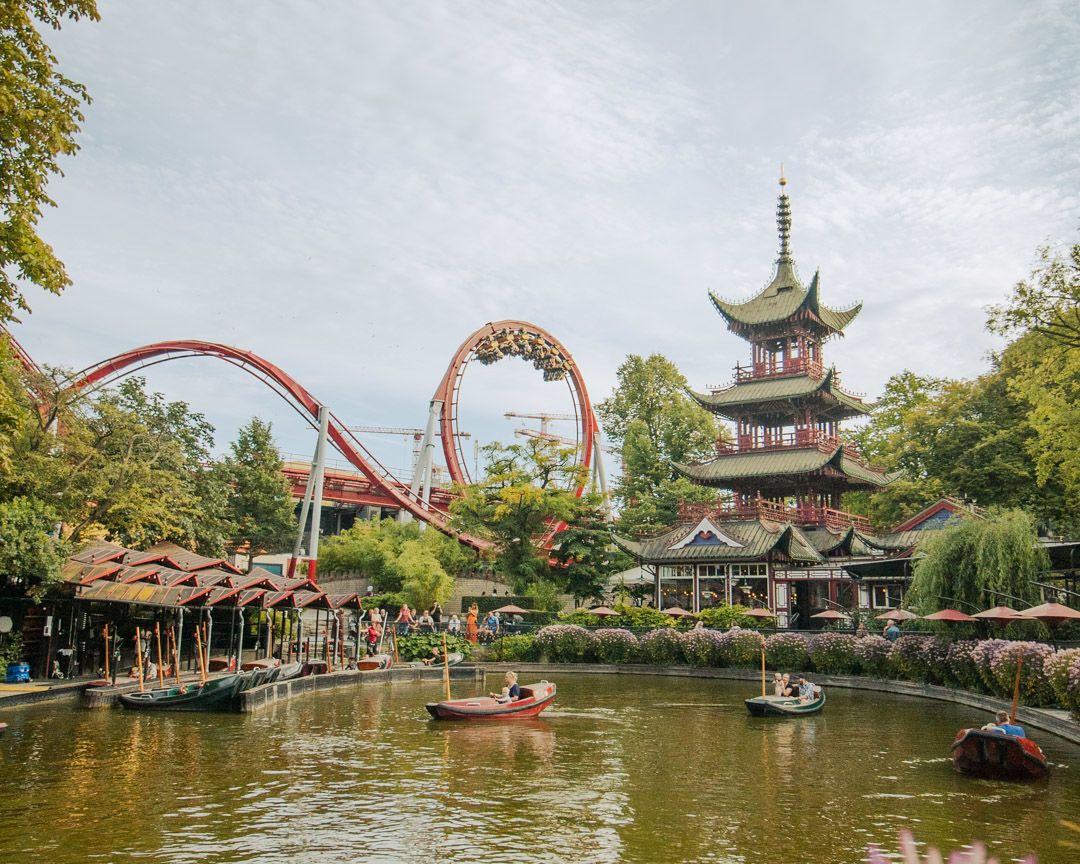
column 774, row 511
column 797, row 438
column 793, row 366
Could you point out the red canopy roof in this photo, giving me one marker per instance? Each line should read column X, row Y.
column 998, row 613
column 952, row 615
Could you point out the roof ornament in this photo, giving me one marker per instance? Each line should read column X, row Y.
column 783, row 220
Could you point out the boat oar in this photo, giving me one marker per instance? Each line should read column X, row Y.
column 1016, row 687
column 105, row 635
column 160, row 667
column 446, row 667
column 138, row 657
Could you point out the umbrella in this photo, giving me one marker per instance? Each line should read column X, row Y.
column 832, row 615
column 1052, row 614
column 511, row 609
column 897, row 615
column 950, row 615
column 602, row 612
column 678, row 612
column 999, row 614
column 759, row 613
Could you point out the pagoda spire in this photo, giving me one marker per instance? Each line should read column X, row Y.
column 783, row 221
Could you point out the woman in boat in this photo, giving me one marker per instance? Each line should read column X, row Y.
column 511, row 692
column 471, row 628
column 786, row 687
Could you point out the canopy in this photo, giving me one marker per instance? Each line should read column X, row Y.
column 1051, row 613
column 832, row 615
column 602, row 612
column 998, row 613
column 759, row 613
column 678, row 612
column 511, row 609
column 951, row 615
column 897, row 615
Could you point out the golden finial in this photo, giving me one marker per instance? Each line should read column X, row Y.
column 783, row 180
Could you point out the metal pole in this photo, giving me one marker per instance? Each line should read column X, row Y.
column 209, row 633
column 179, row 638
column 316, row 501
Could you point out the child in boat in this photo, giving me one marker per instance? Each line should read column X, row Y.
column 511, row 692
column 778, row 684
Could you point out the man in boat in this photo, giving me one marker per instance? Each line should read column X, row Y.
column 1002, row 724
column 807, row 690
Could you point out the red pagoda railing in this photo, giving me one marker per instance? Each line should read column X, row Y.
column 773, row 511
column 793, row 366
column 799, row 438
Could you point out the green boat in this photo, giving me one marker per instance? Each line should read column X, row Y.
column 784, row 706
column 215, row 695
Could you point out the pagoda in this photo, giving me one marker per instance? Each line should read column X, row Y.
column 787, row 459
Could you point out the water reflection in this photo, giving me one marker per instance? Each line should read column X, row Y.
column 618, row 770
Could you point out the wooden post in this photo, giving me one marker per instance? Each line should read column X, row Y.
column 199, row 652
column 160, row 667
column 175, row 654
column 446, row 668
column 763, row 668
column 1016, row 687
column 138, row 657
column 105, row 635
column 206, row 650
column 329, row 654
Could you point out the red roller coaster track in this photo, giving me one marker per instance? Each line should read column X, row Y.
column 489, row 343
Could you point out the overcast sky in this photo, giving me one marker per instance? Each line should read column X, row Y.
column 349, row 189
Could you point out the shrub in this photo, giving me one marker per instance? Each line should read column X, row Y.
column 703, row 648
column 934, row 653
column 961, row 666
column 786, row 651
column 513, row 648
column 419, row 645
column 741, row 648
column 1073, row 693
column 834, row 653
column 725, row 617
column 663, row 647
column 1035, row 688
column 908, row 658
column 640, row 618
column 613, row 645
column 872, row 655
column 564, row 643
column 983, row 654
column 1056, row 667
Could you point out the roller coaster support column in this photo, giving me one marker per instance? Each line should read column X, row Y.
column 312, row 492
column 421, row 482
column 600, row 475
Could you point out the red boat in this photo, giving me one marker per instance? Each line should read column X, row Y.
column 375, row 661
column 534, row 699
column 997, row 756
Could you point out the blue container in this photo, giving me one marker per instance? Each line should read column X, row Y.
column 18, row 673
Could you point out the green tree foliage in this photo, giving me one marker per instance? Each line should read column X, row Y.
column 30, row 556
column 528, row 488
column 40, row 114
column 586, row 556
column 655, row 423
column 970, row 559
column 1048, row 304
column 260, row 505
column 423, row 580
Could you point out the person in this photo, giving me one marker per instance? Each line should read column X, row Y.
column 807, row 690
column 436, row 614
column 471, row 628
column 892, row 631
column 1003, row 724
column 405, row 620
column 426, row 622
column 370, row 591
column 492, row 624
column 787, row 689
column 778, row 684
column 511, row 692
column 375, row 615
column 700, row 625
column 436, row 657
column 372, row 638
column 860, row 631
column 484, row 635
column 453, row 626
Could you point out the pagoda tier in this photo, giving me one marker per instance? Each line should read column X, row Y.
column 794, row 398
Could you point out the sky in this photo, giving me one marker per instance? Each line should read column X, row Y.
column 350, row 189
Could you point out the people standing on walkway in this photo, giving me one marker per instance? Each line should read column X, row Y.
column 436, row 614
column 471, row 627
column 453, row 626
column 892, row 631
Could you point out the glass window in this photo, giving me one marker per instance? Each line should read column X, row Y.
column 750, row 592
column 886, row 596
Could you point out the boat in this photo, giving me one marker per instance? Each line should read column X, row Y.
column 215, row 695
column 997, row 756
column 375, row 661
column 290, row 670
column 453, row 658
column 534, row 699
column 784, row 706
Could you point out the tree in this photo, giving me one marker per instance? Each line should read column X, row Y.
column 527, row 490
column 423, row 580
column 31, row 557
column 979, row 562
column 656, row 423
column 1048, row 304
column 40, row 115
column 586, row 556
column 260, row 503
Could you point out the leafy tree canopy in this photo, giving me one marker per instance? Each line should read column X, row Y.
column 40, row 115
column 586, row 556
column 31, row 556
column 1048, row 303
column 260, row 505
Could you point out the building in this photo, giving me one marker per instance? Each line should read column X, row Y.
column 776, row 535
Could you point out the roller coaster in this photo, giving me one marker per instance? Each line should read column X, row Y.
column 488, row 344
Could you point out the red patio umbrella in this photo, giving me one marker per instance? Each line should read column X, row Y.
column 999, row 614
column 678, row 612
column 1052, row 614
column 950, row 615
column 897, row 615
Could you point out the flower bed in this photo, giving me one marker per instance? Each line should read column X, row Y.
column 564, row 643
column 614, row 645
column 786, row 651
column 834, row 653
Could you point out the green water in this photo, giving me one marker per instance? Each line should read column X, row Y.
column 620, row 769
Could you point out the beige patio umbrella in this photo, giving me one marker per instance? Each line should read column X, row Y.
column 678, row 612
column 896, row 615
column 602, row 612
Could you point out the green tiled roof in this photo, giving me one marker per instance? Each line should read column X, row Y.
column 781, row 299
column 758, row 539
column 849, row 541
column 738, row 466
column 896, row 540
column 774, row 390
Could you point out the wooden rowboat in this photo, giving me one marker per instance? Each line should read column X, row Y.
column 375, row 661
column 215, row 695
column 784, row 706
column 452, row 659
column 997, row 756
column 534, row 699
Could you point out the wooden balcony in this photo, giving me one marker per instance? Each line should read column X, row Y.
column 794, row 366
column 773, row 511
column 796, row 439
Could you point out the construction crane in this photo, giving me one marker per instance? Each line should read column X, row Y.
column 544, row 419
column 417, row 436
column 526, row 432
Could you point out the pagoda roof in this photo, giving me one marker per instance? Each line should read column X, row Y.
column 782, row 299
column 712, row 540
column 787, row 462
column 787, row 388
column 849, row 541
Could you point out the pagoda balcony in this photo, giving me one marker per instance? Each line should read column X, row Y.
column 773, row 511
column 793, row 366
column 798, row 439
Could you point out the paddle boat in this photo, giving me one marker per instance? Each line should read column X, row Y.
column 785, row 706
column 216, row 694
column 375, row 661
column 996, row 756
column 534, row 699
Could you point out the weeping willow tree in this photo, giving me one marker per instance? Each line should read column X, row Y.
column 981, row 562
